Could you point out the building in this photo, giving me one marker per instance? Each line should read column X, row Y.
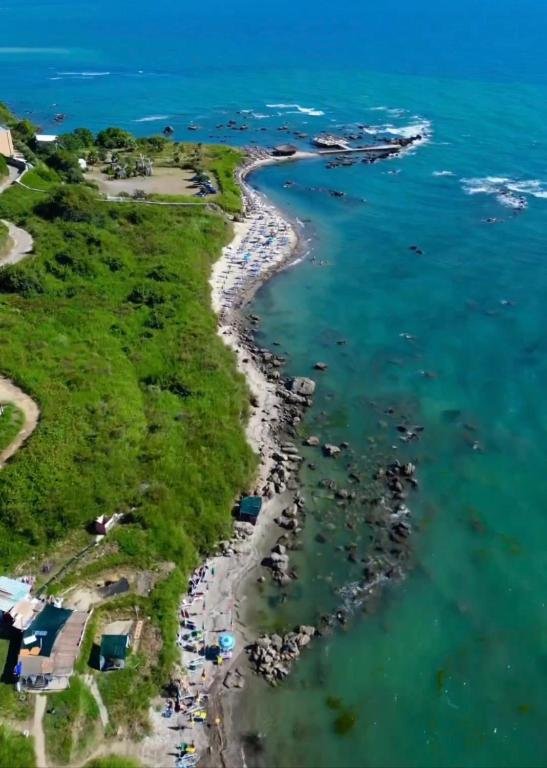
column 45, row 139
column 284, row 150
column 6, row 142
column 17, row 607
column 49, row 649
column 113, row 652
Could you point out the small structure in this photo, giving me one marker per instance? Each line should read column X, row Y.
column 113, row 652
column 11, row 592
column 45, row 139
column 17, row 608
column 284, row 150
column 6, row 142
column 82, row 163
column 103, row 524
column 49, row 649
column 249, row 509
column 328, row 141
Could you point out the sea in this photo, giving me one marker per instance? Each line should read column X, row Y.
column 424, row 290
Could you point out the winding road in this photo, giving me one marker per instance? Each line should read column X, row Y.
column 21, row 245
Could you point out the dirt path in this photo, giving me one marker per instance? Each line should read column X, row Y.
column 38, row 731
column 92, row 685
column 9, row 393
column 21, row 244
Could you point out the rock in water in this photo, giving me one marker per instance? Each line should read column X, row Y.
column 302, row 386
column 312, row 440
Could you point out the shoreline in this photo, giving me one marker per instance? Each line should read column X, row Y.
column 262, row 429
column 264, row 242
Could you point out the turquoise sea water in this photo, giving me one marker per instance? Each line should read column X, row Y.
column 449, row 667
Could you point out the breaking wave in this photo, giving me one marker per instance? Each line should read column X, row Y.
column 508, row 192
column 298, row 110
column 151, row 118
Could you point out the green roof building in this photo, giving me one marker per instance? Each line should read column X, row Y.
column 113, row 651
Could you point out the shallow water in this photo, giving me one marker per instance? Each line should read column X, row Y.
column 447, row 668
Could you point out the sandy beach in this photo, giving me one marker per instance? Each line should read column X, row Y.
column 263, row 242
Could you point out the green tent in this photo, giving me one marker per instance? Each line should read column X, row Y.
column 249, row 508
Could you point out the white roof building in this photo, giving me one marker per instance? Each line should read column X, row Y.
column 45, row 138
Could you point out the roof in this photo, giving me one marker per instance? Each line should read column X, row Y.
column 11, row 592
column 46, row 137
column 4, row 128
column 55, row 652
column 45, row 628
column 114, row 646
column 250, row 505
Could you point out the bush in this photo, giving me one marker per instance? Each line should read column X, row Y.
column 72, row 203
column 115, row 138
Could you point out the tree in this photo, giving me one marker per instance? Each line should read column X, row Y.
column 115, row 138
column 24, row 131
column 80, row 138
column 64, row 162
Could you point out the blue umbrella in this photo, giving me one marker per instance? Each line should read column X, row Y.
column 227, row 642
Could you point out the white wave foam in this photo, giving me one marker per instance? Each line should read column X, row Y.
column 311, row 111
column 26, row 49
column 422, row 128
column 511, row 193
column 392, row 111
column 84, row 74
column 442, row 173
column 151, row 118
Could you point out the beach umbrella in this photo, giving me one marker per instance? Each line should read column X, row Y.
column 226, row 641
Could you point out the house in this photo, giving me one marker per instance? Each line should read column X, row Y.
column 113, row 652
column 11, row 592
column 6, row 142
column 45, row 139
column 249, row 509
column 17, row 607
column 49, row 649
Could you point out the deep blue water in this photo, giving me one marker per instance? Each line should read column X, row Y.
column 449, row 670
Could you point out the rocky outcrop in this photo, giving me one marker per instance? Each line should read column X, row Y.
column 273, row 655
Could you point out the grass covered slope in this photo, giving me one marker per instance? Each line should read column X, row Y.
column 11, row 421
column 15, row 750
column 109, row 328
